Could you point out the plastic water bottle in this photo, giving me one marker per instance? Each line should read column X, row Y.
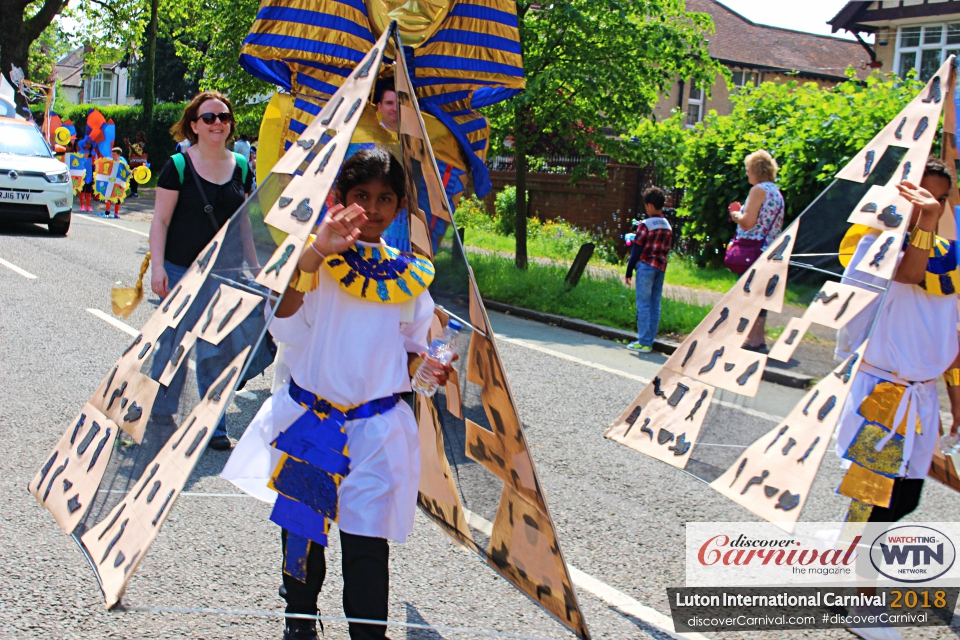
column 950, row 444
column 440, row 353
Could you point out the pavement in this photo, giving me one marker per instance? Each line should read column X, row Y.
column 620, row 515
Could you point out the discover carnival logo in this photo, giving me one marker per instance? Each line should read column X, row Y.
column 744, row 551
column 912, row 553
column 821, row 554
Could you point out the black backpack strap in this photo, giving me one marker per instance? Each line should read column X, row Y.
column 207, row 207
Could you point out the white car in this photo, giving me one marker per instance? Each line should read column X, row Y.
column 34, row 185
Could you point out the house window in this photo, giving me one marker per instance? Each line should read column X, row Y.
column 133, row 81
column 694, row 106
column 924, row 48
column 102, row 85
column 745, row 78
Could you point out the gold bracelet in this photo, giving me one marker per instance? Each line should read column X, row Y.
column 921, row 239
column 952, row 377
column 304, row 282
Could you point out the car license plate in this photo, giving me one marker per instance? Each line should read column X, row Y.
column 16, row 196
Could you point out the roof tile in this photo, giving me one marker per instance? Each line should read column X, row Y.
column 739, row 40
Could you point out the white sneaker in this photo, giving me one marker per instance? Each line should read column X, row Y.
column 876, row 633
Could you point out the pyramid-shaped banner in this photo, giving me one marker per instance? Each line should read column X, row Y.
column 773, row 474
column 114, row 498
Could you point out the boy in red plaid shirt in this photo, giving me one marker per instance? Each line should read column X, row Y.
column 649, row 256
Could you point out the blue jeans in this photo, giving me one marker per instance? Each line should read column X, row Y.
column 209, row 362
column 649, row 281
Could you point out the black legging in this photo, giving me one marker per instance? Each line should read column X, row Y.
column 366, row 582
column 903, row 500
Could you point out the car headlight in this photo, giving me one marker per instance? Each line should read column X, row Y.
column 57, row 178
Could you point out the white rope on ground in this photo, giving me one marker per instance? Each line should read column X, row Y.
column 278, row 614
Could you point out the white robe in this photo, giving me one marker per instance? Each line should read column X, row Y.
column 348, row 351
column 915, row 339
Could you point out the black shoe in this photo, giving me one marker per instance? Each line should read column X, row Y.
column 220, row 443
column 760, row 348
column 300, row 629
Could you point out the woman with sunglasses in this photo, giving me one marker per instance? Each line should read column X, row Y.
column 182, row 227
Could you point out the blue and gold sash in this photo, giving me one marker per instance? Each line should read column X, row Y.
column 315, row 460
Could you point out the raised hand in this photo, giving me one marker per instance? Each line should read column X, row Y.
column 340, row 229
column 920, row 198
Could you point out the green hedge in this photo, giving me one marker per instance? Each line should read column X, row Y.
column 811, row 132
column 160, row 144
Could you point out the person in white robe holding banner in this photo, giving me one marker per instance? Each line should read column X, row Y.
column 336, row 443
column 890, row 425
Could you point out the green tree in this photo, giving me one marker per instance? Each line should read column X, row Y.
column 149, row 66
column 812, row 132
column 173, row 80
column 209, row 36
column 594, row 67
column 44, row 52
column 21, row 23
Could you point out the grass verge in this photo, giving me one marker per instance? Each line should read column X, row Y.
column 541, row 288
column 681, row 271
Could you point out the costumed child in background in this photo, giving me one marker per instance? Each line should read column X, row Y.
column 111, row 181
column 336, row 444
column 85, row 148
column 137, row 151
column 890, row 425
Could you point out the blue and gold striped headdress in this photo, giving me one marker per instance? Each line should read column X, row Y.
column 471, row 60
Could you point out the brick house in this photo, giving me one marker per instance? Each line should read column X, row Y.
column 910, row 34
column 756, row 53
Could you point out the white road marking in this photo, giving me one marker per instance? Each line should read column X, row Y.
column 601, row 590
column 115, row 226
column 123, row 326
column 585, row 581
column 16, row 269
column 617, row 372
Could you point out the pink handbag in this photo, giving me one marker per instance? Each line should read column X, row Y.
column 741, row 254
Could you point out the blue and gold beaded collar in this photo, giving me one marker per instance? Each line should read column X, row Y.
column 380, row 273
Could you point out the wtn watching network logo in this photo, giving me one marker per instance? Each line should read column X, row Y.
column 912, row 553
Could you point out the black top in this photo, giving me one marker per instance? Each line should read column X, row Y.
column 190, row 228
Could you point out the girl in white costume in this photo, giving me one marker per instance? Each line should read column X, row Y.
column 336, row 443
column 914, row 341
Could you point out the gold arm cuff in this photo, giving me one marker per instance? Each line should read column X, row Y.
column 921, row 239
column 305, row 282
column 952, row 377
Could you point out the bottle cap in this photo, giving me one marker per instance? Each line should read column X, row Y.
column 453, row 324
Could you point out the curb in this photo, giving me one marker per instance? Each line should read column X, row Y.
column 776, row 376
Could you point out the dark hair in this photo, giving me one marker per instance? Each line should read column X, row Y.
column 936, row 168
column 183, row 131
column 379, row 97
column 243, row 137
column 368, row 165
column 654, row 196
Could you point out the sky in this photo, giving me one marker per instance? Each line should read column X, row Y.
column 801, row 15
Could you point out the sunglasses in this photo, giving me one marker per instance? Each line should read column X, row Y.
column 209, row 118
